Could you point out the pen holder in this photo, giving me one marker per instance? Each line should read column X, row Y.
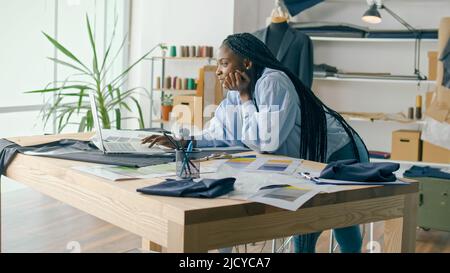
column 186, row 167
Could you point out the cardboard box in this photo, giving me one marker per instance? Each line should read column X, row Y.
column 188, row 110
column 435, row 154
column 432, row 65
column 438, row 107
column 406, row 145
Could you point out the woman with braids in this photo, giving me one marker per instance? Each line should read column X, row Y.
column 269, row 110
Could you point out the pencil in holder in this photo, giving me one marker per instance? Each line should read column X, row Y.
column 186, row 167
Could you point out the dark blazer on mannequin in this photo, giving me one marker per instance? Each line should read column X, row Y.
column 296, row 53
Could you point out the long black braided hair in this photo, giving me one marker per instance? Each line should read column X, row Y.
column 313, row 138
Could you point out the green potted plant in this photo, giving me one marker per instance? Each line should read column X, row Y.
column 71, row 97
column 166, row 106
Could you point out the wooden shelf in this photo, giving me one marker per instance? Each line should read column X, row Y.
column 432, row 164
column 412, row 122
column 375, row 40
column 162, row 121
column 183, row 58
column 372, row 80
column 177, row 92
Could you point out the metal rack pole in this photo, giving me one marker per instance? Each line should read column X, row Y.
column 151, row 91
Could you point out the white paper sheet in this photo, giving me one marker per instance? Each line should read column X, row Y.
column 290, row 197
column 118, row 173
column 274, row 165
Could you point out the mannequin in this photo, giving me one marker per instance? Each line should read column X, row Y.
column 291, row 47
column 275, row 34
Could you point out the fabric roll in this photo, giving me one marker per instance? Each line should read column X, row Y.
column 192, row 52
column 168, row 83
column 178, row 85
column 351, row 170
column 158, row 83
column 185, row 84
column 174, row 82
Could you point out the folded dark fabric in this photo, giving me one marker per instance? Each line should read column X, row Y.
column 205, row 188
column 445, row 59
column 351, row 170
column 325, row 68
column 7, row 152
column 402, row 34
column 427, row 171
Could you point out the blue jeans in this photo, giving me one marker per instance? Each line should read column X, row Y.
column 348, row 238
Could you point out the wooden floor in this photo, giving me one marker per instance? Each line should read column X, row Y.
column 32, row 222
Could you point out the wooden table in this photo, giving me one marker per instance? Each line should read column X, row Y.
column 199, row 225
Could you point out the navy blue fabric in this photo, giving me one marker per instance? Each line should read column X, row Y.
column 83, row 151
column 445, row 58
column 205, row 188
column 7, row 152
column 297, row 6
column 401, row 34
column 351, row 170
column 427, row 171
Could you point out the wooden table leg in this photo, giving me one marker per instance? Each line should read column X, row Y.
column 148, row 245
column 400, row 233
column 183, row 239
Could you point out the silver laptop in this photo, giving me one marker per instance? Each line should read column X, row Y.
column 120, row 141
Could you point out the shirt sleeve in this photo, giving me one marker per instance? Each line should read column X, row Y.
column 223, row 129
column 265, row 130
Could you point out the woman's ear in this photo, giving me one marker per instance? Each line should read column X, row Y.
column 248, row 64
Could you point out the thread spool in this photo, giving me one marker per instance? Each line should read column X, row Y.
column 168, row 82
column 158, row 83
column 411, row 112
column 197, row 52
column 174, row 82
column 419, row 107
column 192, row 52
column 210, row 51
column 185, row 84
column 178, row 85
column 173, row 51
column 190, row 85
column 204, row 49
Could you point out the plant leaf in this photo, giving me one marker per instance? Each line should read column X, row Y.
column 110, row 44
column 89, row 121
column 118, row 119
column 94, row 50
column 48, row 90
column 64, row 50
column 115, row 56
column 67, row 64
column 82, row 125
column 124, row 73
column 141, row 117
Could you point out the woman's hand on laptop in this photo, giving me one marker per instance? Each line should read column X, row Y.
column 163, row 141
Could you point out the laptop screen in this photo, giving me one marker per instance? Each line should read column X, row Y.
column 97, row 126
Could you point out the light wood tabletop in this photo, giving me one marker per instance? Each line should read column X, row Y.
column 199, row 225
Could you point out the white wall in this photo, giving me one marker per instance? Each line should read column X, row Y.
column 174, row 22
column 396, row 58
column 22, row 56
column 23, row 52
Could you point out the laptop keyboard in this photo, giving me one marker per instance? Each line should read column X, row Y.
column 120, row 147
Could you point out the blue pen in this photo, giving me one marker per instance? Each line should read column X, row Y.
column 186, row 158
